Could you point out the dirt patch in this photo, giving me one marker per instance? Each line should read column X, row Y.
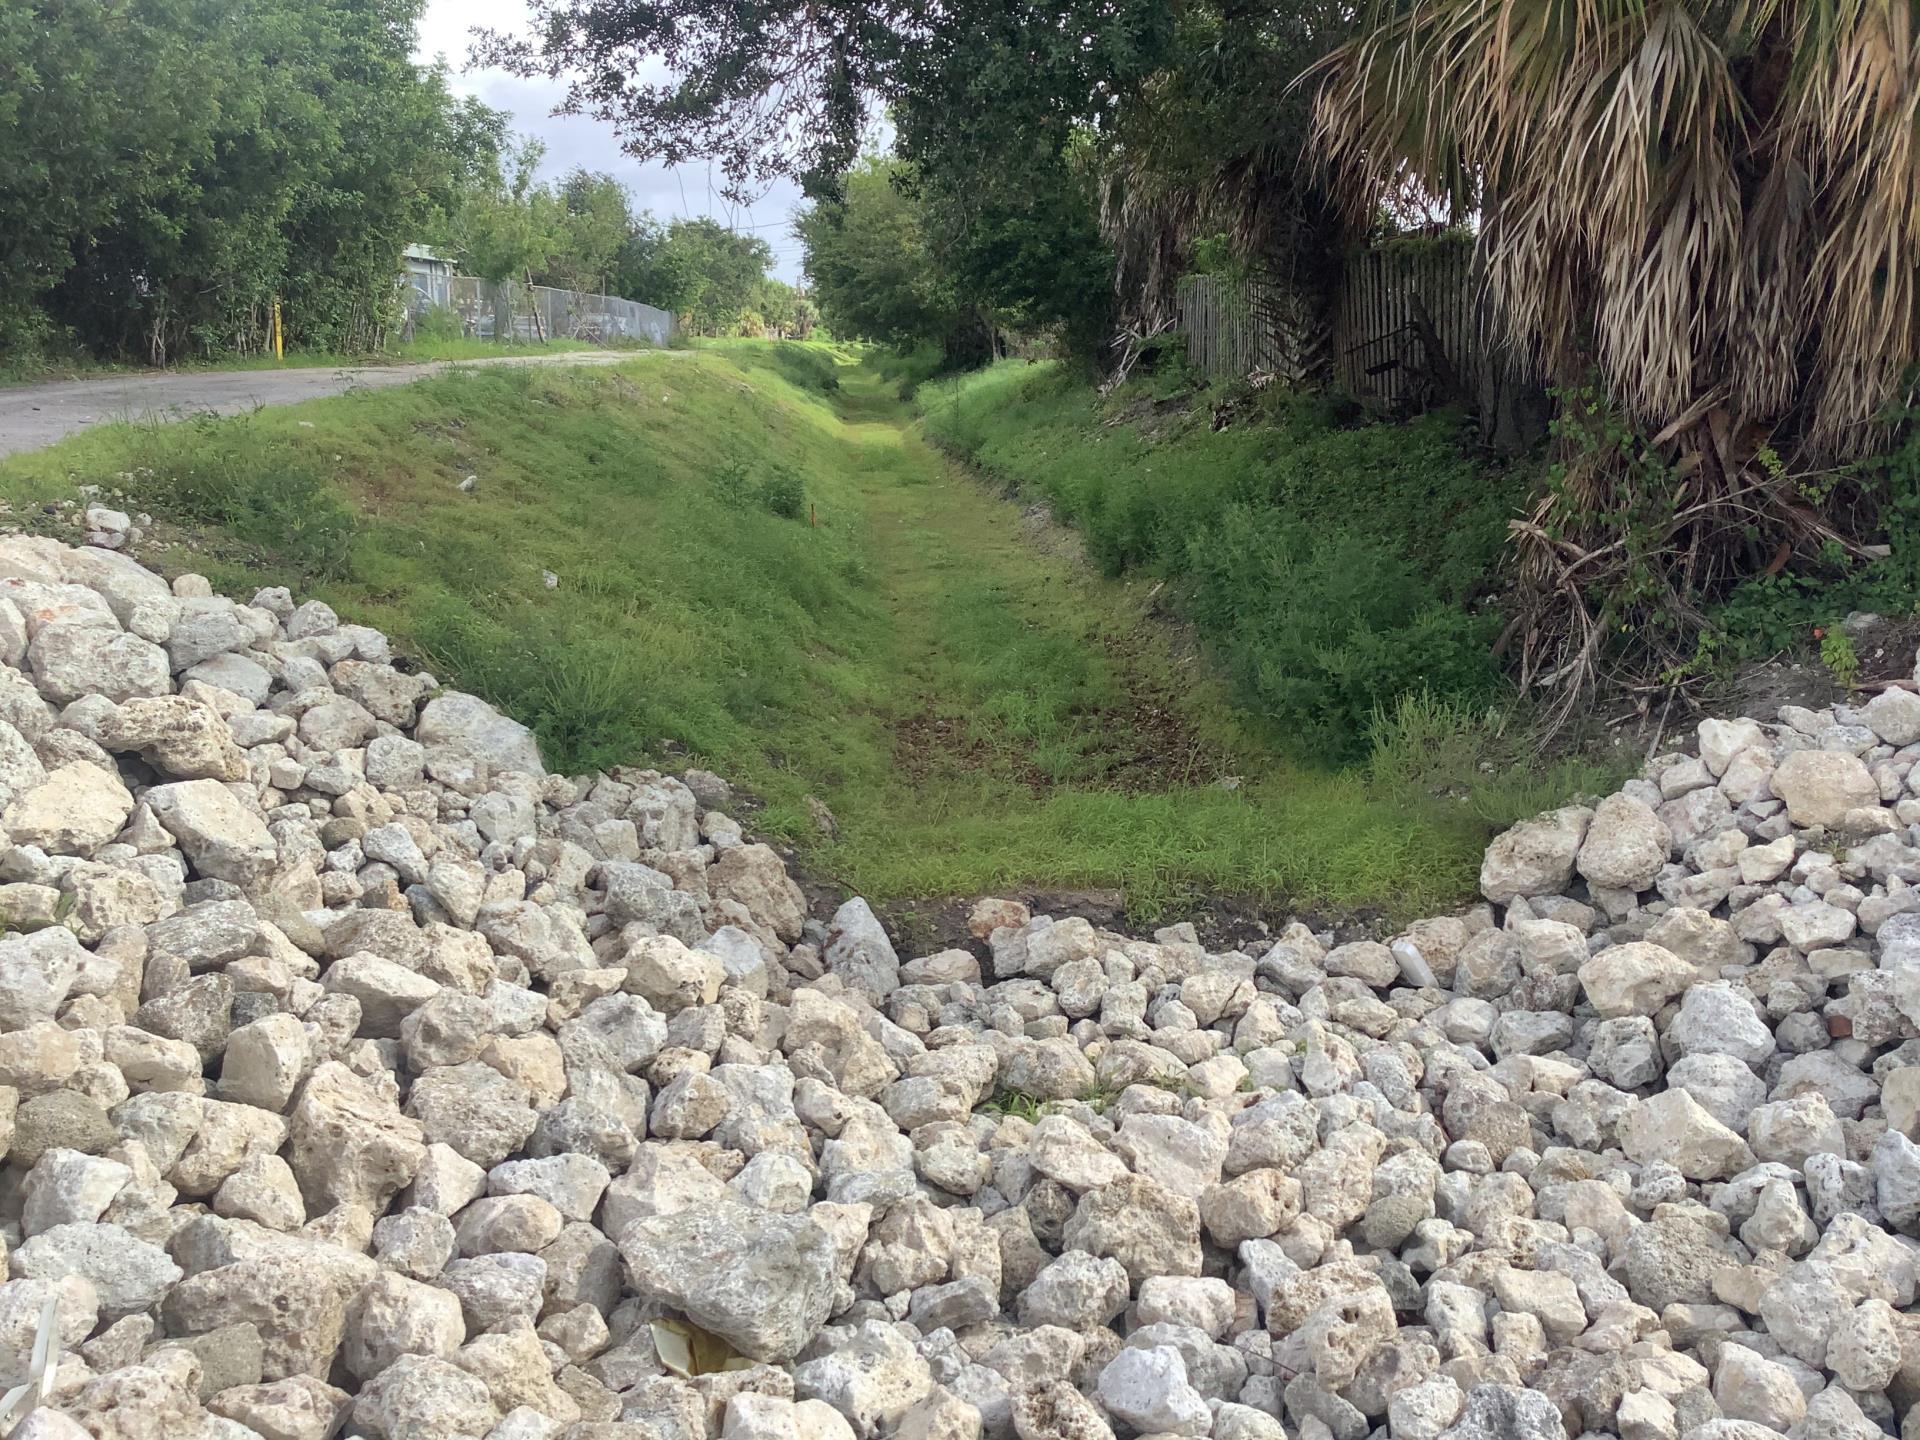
column 1221, row 922
column 1760, row 690
column 1044, row 533
column 1143, row 746
column 1155, row 745
column 1151, row 415
column 1885, row 645
column 928, row 744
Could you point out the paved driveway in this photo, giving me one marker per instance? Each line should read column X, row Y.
column 35, row 415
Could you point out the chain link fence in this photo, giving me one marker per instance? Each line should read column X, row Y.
column 506, row 310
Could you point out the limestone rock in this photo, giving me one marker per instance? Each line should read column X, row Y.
column 1535, row 857
column 1821, row 786
column 763, row 1282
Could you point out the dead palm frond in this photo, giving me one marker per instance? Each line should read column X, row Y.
column 1692, row 195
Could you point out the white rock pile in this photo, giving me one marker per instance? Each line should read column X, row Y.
column 360, row 1077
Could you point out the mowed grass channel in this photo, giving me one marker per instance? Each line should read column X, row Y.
column 763, row 569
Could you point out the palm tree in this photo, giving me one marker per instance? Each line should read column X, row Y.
column 1711, row 205
column 1715, row 201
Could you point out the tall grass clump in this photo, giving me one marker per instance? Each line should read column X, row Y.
column 265, row 491
column 1480, row 758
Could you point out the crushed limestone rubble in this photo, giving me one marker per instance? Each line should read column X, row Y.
column 360, row 1077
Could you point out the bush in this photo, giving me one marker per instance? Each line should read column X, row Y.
column 781, row 491
column 1321, row 627
column 784, row 493
column 1768, row 614
column 908, row 370
column 732, row 486
column 439, row 322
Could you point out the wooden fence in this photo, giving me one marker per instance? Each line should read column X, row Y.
column 1231, row 328
column 1395, row 307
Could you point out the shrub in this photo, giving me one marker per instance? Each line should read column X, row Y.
column 908, row 370
column 731, row 485
column 1766, row 615
column 1320, row 627
column 784, row 493
column 439, row 322
column 781, row 491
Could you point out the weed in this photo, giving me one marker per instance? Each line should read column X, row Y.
column 784, row 493
column 1797, row 609
column 908, row 370
column 1838, row 655
column 259, row 488
column 1016, row 1103
column 732, row 485
column 1425, row 750
column 12, row 923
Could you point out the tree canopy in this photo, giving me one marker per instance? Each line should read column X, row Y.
column 1010, row 123
column 790, row 87
column 871, row 262
column 167, row 169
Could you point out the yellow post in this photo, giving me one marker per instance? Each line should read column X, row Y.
column 279, row 350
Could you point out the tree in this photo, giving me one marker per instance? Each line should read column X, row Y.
column 989, row 103
column 776, row 302
column 595, row 218
column 871, row 263
column 784, row 87
column 508, row 225
column 1705, row 199
column 644, row 270
column 384, row 131
column 1027, row 254
column 712, row 271
column 1212, row 145
column 169, row 169
column 72, row 80
column 806, row 318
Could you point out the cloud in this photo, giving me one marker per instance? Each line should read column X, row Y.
column 574, row 140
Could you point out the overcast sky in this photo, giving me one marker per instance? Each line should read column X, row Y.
column 577, row 140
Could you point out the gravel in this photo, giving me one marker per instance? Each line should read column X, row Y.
column 358, row 1076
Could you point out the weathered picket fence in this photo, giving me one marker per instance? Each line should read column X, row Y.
column 1403, row 332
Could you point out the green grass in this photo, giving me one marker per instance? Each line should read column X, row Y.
column 1334, row 565
column 23, row 369
column 765, row 569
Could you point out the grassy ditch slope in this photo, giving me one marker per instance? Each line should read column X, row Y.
column 761, row 567
column 1334, row 566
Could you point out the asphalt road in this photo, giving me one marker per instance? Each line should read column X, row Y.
column 35, row 415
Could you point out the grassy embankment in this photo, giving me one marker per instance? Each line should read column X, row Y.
column 763, row 567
